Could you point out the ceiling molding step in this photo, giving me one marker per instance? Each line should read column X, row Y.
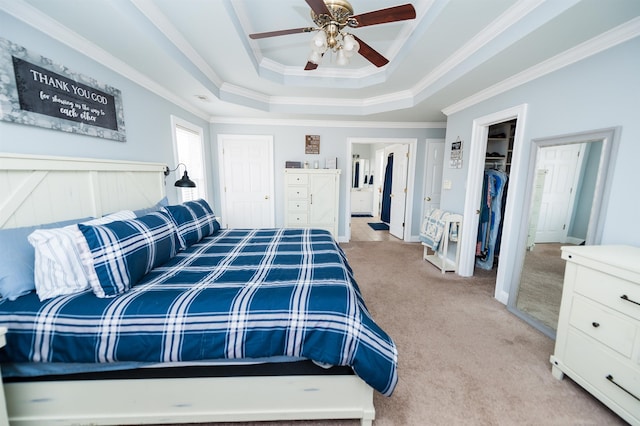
column 163, row 33
column 171, row 33
column 323, row 76
column 51, row 28
column 484, row 46
column 607, row 40
column 347, row 106
column 245, row 97
column 327, row 123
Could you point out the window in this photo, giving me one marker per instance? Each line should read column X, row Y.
column 189, row 151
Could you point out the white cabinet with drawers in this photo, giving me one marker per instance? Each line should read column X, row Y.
column 598, row 336
column 362, row 200
column 311, row 199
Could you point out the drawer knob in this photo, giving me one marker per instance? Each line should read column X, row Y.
column 595, row 324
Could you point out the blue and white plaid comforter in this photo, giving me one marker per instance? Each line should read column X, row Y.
column 242, row 293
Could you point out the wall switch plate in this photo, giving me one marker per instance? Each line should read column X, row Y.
column 446, row 184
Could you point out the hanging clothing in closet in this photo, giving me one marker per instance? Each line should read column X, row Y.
column 385, row 211
column 490, row 223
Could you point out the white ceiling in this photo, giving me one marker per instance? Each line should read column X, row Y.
column 198, row 53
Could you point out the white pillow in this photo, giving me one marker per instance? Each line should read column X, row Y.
column 58, row 257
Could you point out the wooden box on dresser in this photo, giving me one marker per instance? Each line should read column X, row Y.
column 598, row 336
column 311, row 199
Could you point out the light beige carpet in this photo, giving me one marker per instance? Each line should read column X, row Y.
column 463, row 358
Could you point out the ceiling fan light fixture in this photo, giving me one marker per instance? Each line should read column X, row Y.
column 315, row 57
column 319, row 42
column 341, row 58
column 331, row 17
column 350, row 45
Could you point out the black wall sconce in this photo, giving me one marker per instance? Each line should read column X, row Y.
column 184, row 181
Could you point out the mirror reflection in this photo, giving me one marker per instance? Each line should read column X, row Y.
column 361, row 173
column 363, row 197
column 561, row 212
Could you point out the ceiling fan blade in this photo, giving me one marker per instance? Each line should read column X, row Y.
column 383, row 16
column 281, row 32
column 310, row 66
column 318, row 7
column 370, row 54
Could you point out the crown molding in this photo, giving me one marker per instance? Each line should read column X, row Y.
column 43, row 23
column 328, row 123
column 491, row 32
column 600, row 43
column 171, row 33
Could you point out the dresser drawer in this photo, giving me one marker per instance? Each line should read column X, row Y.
column 297, row 219
column 614, row 292
column 297, row 193
column 616, row 380
column 603, row 324
column 297, row 179
column 297, row 206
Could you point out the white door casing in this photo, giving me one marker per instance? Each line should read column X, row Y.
column 512, row 217
column 378, row 179
column 246, row 181
column 536, row 200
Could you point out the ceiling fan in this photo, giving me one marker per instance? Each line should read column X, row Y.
column 331, row 18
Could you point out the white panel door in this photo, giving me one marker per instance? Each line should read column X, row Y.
column 561, row 165
column 398, row 190
column 246, row 178
column 433, row 175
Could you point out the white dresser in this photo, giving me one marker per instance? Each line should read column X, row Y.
column 311, row 199
column 598, row 336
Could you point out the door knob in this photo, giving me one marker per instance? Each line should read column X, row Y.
column 266, row 197
column 427, row 199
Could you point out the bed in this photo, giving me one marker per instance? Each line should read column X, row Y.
column 293, row 355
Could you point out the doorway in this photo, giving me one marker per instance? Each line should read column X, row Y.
column 376, row 151
column 477, row 157
column 495, row 189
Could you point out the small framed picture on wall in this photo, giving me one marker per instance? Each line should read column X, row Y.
column 312, row 144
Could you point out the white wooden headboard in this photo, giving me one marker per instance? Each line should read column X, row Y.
column 41, row 189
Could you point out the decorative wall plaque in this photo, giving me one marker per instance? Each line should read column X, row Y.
column 38, row 92
column 312, row 144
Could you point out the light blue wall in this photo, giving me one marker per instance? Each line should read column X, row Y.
column 602, row 91
column 146, row 115
column 289, row 145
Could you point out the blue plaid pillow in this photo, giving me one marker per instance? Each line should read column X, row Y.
column 195, row 220
column 122, row 252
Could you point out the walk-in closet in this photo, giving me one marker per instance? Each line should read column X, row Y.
column 494, row 192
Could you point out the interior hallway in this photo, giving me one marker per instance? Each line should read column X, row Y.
column 361, row 231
